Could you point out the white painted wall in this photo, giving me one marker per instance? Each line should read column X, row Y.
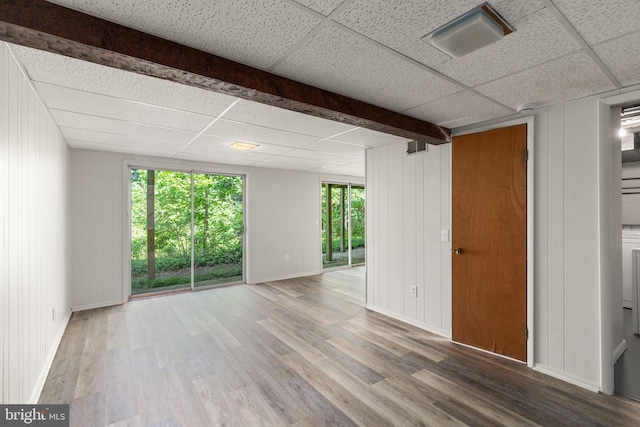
column 97, row 219
column 567, row 274
column 34, row 271
column 610, row 235
column 409, row 202
column 282, row 217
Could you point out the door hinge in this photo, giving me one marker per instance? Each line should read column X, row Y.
column 526, row 155
column 526, row 334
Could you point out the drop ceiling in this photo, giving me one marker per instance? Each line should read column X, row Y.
column 370, row 50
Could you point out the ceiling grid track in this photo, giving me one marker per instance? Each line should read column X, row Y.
column 330, row 54
column 329, row 20
column 418, row 64
column 326, row 20
column 207, row 127
column 583, row 44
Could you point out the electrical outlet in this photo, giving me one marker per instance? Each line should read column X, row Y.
column 53, row 314
column 286, row 257
column 413, row 290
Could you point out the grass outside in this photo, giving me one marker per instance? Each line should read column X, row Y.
column 342, row 258
column 181, row 278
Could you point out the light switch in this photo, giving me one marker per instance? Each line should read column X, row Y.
column 444, row 235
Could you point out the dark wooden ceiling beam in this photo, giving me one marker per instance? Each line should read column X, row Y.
column 53, row 28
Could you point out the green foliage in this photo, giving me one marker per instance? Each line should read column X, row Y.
column 356, row 242
column 338, row 222
column 220, row 273
column 218, row 223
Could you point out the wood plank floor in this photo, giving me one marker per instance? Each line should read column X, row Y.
column 300, row 352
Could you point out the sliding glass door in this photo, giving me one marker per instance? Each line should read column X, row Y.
column 342, row 225
column 218, row 229
column 186, row 230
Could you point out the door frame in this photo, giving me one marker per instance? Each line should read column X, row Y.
column 610, row 351
column 529, row 121
column 129, row 164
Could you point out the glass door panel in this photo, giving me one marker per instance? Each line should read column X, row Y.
column 335, row 236
column 339, row 236
column 186, row 230
column 160, row 230
column 357, row 225
column 218, row 229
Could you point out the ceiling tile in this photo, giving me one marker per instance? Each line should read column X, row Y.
column 324, row 7
column 260, row 134
column 217, row 157
column 319, row 155
column 255, row 33
column 143, row 151
column 286, row 120
column 102, row 124
column 205, row 143
column 460, row 109
column 86, row 76
column 119, row 140
column 59, row 98
column 271, row 149
column 538, row 38
column 329, row 146
column 513, row 11
column 400, row 24
column 285, row 166
column 207, row 147
column 549, row 83
column 292, row 161
column 351, row 169
column 597, row 21
column 621, row 57
column 368, row 138
column 338, row 61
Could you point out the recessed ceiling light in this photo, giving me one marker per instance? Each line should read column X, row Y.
column 474, row 30
column 246, row 146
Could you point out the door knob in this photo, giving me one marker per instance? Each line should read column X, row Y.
column 457, row 251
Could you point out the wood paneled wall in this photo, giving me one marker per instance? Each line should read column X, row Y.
column 34, row 255
column 574, row 269
column 408, row 204
column 567, row 257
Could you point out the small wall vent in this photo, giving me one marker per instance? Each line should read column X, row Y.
column 414, row 147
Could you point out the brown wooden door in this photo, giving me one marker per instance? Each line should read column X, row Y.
column 489, row 225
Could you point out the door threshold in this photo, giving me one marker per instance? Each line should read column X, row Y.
column 159, row 293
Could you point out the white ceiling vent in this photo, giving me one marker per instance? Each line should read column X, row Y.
column 474, row 30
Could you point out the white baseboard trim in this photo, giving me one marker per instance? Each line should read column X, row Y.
column 621, row 348
column 285, row 277
column 437, row 331
column 96, row 305
column 567, row 378
column 37, row 389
